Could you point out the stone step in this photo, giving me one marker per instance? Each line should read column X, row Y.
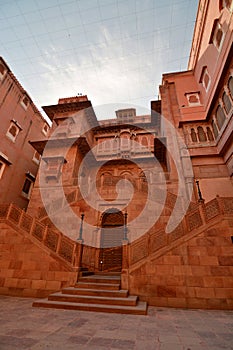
column 110, row 273
column 86, row 273
column 122, row 293
column 100, row 279
column 139, row 309
column 59, row 296
column 89, row 285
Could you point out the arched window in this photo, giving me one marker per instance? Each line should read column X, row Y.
column 193, row 135
column 227, row 102
column 220, row 117
column 230, row 85
column 201, row 134
column 209, row 134
column 215, row 130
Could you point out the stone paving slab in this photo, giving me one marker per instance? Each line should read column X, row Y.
column 25, row 327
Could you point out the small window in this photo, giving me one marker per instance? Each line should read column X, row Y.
column 201, row 134
column 45, row 129
column 220, row 117
column 230, row 85
column 209, row 134
column 25, row 102
column 13, row 131
column 28, row 185
column 2, row 167
column 36, row 157
column 217, row 35
column 215, row 129
column 226, row 102
column 27, row 188
column 205, row 78
column 193, row 135
column 2, row 70
column 193, row 99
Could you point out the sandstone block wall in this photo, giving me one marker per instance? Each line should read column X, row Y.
column 28, row 270
column 195, row 274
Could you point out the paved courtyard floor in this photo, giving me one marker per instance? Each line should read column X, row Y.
column 24, row 327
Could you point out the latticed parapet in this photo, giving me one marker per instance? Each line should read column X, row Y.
column 61, row 246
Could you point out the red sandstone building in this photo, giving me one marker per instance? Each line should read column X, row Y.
column 169, row 240
column 20, row 122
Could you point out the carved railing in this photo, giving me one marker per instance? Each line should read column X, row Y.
column 57, row 205
column 196, row 217
column 60, row 245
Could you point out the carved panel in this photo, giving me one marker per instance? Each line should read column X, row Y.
column 228, row 205
column 138, row 251
column 38, row 230
column 71, row 197
column 66, row 250
column 157, row 241
column 211, row 209
column 42, row 212
column 171, row 200
column 15, row 215
column 51, row 240
column 193, row 206
column 26, row 223
column 3, row 210
column 177, row 233
column 112, row 219
column 194, row 220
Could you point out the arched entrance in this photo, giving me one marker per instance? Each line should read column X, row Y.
column 112, row 233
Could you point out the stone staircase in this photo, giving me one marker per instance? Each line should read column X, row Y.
column 99, row 292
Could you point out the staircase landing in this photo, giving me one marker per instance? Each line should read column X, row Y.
column 99, row 292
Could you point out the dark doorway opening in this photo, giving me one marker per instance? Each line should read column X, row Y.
column 112, row 233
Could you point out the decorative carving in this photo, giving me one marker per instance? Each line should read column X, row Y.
column 66, row 250
column 71, row 197
column 112, row 219
column 211, row 209
column 138, row 251
column 175, row 234
column 228, row 205
column 3, row 210
column 51, row 240
column 194, row 220
column 26, row 223
column 14, row 214
column 157, row 241
column 171, row 200
column 38, row 230
column 42, row 212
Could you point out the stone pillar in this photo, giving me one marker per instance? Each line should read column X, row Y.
column 78, row 256
column 125, row 265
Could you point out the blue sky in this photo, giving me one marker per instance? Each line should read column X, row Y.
column 115, row 51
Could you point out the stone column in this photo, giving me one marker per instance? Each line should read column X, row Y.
column 125, row 265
